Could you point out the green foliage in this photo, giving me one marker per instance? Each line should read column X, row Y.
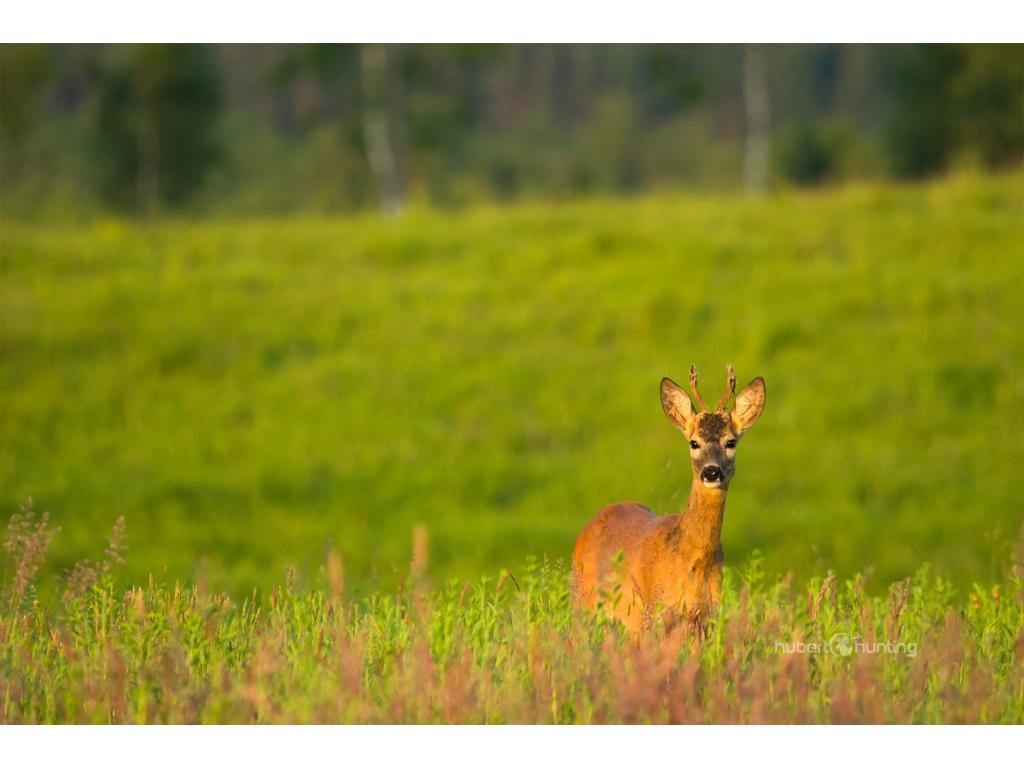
column 990, row 90
column 920, row 124
column 513, row 650
column 155, row 124
column 808, row 153
column 23, row 71
column 246, row 393
column 950, row 99
column 228, row 129
column 803, row 154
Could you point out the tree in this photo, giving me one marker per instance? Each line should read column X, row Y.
column 919, row 130
column 24, row 69
column 382, row 122
column 155, row 124
column 755, row 99
column 989, row 93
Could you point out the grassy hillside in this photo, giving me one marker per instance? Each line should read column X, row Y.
column 247, row 393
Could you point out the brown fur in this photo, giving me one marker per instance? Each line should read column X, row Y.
column 712, row 426
column 669, row 565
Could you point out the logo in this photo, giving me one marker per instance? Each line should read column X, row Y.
column 844, row 646
column 841, row 645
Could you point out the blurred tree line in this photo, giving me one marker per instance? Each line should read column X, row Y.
column 271, row 129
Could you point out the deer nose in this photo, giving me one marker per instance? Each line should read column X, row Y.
column 710, row 474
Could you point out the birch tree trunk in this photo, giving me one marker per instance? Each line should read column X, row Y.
column 381, row 91
column 755, row 100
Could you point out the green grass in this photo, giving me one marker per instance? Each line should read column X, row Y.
column 249, row 393
column 510, row 649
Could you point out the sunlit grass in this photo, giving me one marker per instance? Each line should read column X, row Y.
column 250, row 393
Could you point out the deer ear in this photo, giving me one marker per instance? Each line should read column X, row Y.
column 676, row 404
column 749, row 404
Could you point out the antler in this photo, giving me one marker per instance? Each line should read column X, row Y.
column 693, row 387
column 730, row 389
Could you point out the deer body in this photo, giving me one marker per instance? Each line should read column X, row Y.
column 636, row 564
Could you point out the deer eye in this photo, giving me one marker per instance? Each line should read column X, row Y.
column 693, row 444
column 730, row 443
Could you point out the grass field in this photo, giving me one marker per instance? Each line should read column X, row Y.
column 501, row 649
column 250, row 394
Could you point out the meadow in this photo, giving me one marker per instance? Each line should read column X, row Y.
column 500, row 649
column 252, row 394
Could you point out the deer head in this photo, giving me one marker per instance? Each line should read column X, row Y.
column 713, row 435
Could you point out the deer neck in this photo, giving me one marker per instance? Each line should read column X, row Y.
column 701, row 522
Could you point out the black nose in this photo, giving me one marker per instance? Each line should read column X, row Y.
column 710, row 474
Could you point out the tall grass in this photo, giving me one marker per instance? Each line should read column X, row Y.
column 505, row 649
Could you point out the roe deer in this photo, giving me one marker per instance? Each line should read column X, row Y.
column 671, row 563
